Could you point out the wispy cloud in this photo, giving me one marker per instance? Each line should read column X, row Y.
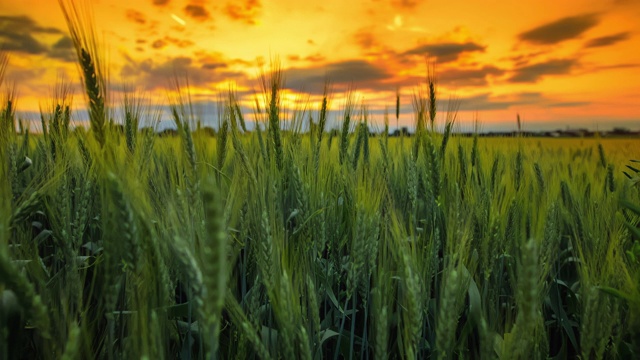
column 246, row 11
column 560, row 30
column 487, row 101
column 25, row 75
column 617, row 66
column 468, row 77
column 521, row 60
column 404, row 4
column 157, row 75
column 365, row 38
column 135, row 16
column 360, row 73
column 315, row 58
column 168, row 40
column 565, row 104
column 608, row 40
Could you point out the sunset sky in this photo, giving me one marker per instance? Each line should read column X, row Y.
column 557, row 63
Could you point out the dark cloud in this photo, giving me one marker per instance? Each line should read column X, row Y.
column 365, row 39
column 404, row 4
column 355, row 71
column 197, row 12
column 23, row 35
column 17, row 33
column 468, row 77
column 21, row 42
column 65, row 42
column 136, row 16
column 168, row 40
column 608, row 40
column 533, row 73
column 341, row 74
column 26, row 24
column 560, row 30
column 158, row 44
column 245, row 11
column 214, row 66
column 160, row 2
column 154, row 75
column 445, row 52
column 63, row 49
column 64, row 55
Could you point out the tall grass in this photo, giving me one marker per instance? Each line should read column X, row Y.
column 276, row 244
column 93, row 71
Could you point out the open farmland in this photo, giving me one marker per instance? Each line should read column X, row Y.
column 275, row 244
column 280, row 243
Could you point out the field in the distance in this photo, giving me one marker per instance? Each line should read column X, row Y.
column 276, row 244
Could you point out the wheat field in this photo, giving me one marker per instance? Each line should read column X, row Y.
column 117, row 243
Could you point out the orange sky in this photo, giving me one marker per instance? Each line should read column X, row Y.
column 557, row 63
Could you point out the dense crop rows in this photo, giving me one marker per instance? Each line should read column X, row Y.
column 275, row 243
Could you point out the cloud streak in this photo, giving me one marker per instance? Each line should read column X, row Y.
column 533, row 73
column 608, row 40
column 560, row 30
column 445, row 52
